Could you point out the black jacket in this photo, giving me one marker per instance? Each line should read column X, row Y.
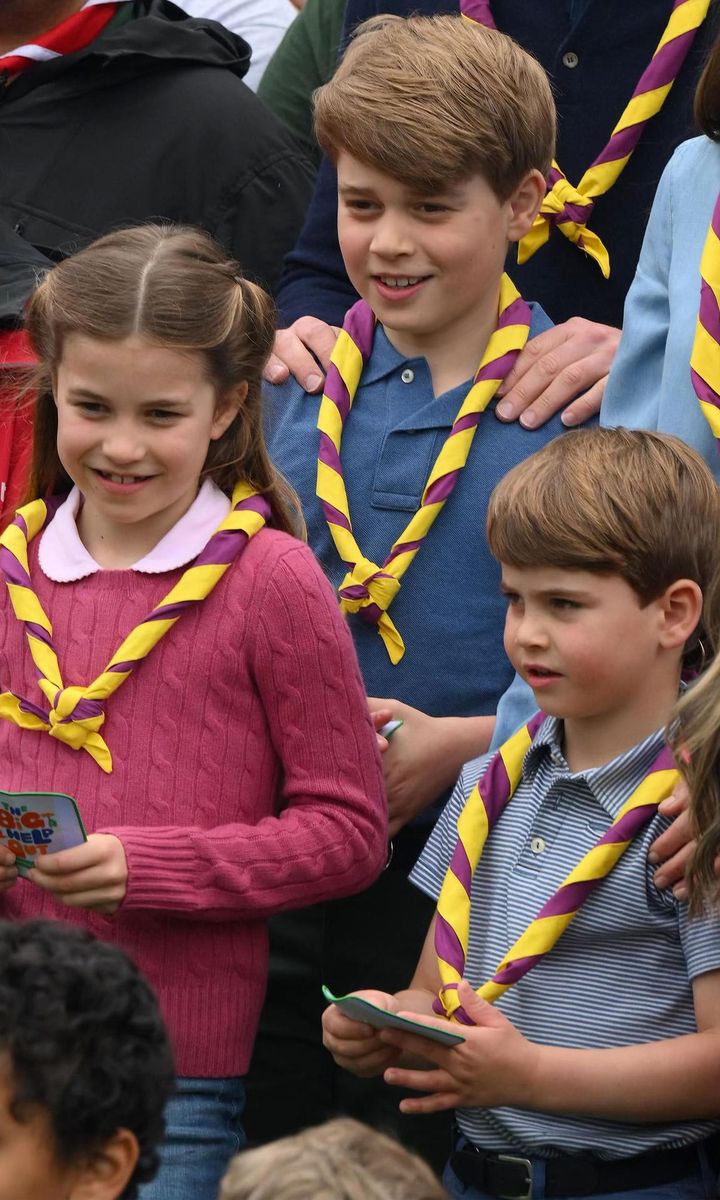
column 152, row 120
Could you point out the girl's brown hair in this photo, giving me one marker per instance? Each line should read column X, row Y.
column 175, row 287
column 707, row 95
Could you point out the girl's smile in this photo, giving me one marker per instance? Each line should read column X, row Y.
column 135, row 420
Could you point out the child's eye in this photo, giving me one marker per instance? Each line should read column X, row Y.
column 360, row 206
column 564, row 604
column 91, row 408
column 162, row 414
column 431, row 208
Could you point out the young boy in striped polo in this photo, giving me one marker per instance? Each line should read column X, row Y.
column 591, row 1058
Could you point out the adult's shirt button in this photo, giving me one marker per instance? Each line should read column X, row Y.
column 570, row 59
column 407, row 375
column 537, row 845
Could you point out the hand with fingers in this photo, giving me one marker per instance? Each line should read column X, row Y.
column 492, row 1068
column 93, row 875
column 8, row 869
column 355, row 1046
column 674, row 848
column 563, row 370
column 298, row 350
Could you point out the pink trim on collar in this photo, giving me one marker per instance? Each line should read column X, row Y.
column 64, row 559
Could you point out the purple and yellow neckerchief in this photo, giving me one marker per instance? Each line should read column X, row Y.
column 369, row 589
column 569, row 208
column 75, row 714
column 479, row 814
column 67, row 37
column 705, row 356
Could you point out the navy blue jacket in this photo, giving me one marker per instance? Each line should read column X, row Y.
column 613, row 41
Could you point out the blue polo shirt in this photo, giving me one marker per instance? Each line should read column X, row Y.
column 449, row 609
column 620, row 974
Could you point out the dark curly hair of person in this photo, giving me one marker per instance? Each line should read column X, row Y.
column 85, row 1040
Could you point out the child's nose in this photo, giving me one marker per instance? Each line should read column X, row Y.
column 390, row 237
column 123, row 445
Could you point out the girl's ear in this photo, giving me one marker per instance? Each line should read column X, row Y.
column 105, row 1175
column 681, row 609
column 524, row 204
column 227, row 409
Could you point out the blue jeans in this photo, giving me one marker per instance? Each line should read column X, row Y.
column 203, row 1133
column 700, row 1186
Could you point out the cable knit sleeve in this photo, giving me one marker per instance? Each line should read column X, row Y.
column 327, row 836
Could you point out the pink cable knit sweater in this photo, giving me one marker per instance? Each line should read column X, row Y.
column 246, row 778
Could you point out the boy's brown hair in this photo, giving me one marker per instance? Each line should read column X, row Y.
column 340, row 1160
column 434, row 100
column 640, row 505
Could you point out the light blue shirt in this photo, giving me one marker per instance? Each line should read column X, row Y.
column 649, row 385
column 620, row 974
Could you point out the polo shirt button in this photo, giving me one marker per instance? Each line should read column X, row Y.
column 537, row 845
column 570, row 59
column 407, row 375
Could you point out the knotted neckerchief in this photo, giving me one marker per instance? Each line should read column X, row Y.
column 74, row 33
column 570, row 208
column 480, row 812
column 705, row 356
column 369, row 589
column 76, row 714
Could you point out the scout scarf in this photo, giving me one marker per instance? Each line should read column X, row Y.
column 74, row 33
column 485, row 804
column 705, row 356
column 76, row 714
column 570, row 208
column 369, row 589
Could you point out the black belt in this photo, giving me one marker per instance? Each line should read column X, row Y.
column 509, row 1176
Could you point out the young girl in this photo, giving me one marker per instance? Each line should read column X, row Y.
column 176, row 662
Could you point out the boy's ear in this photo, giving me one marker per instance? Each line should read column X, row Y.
column 227, row 409
column 105, row 1174
column 681, row 609
column 524, row 204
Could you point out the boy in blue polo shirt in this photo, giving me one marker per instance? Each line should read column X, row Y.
column 595, row 1070
column 442, row 133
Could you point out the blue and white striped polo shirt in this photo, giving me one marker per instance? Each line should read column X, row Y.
column 620, row 974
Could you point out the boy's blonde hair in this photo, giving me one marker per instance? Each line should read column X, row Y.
column 627, row 502
column 434, row 100
column 341, row 1160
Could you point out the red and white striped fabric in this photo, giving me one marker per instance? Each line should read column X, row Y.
column 74, row 33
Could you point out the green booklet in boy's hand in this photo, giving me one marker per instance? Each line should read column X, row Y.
column 364, row 1010
column 35, row 823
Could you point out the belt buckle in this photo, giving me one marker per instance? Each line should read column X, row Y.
column 525, row 1162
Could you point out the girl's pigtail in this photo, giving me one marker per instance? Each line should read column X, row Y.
column 696, row 743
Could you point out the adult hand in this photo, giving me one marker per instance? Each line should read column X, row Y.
column 297, row 350
column 424, row 757
column 354, row 1045
column 8, row 869
column 674, row 848
column 92, row 876
column 490, row 1069
column 568, row 363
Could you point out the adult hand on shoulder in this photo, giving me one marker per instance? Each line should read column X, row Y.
column 92, row 876
column 297, row 351
column 568, row 363
column 674, row 848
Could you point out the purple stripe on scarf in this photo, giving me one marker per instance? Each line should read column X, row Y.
column 664, row 66
column 625, row 829
column 169, row 612
column 354, row 591
column 703, row 391
column 621, row 144
column 371, row 614
column 498, row 368
column 402, row 548
column 38, row 632
column 715, row 221
column 469, row 421
column 579, row 213
column 441, row 488
column 13, row 571
column 554, row 176
column 515, row 970
column 478, row 10
column 336, row 391
column 83, row 711
column 448, row 945
column 567, row 899
column 495, row 789
column 334, row 516
column 709, row 313
column 460, row 866
column 28, row 707
column 517, row 313
column 222, row 549
column 329, row 455
column 119, row 668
